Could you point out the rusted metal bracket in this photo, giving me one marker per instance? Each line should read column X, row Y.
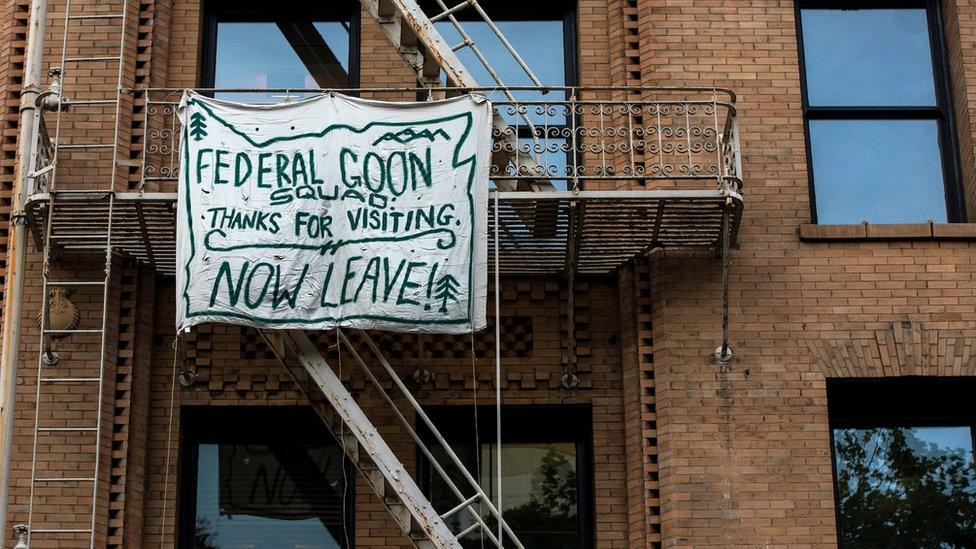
column 723, row 353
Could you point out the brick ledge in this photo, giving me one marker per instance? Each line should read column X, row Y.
column 885, row 231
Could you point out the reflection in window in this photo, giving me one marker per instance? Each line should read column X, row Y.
column 262, row 478
column 879, row 138
column 260, row 496
column 868, row 57
column 906, row 487
column 260, row 52
column 864, row 166
column 545, row 477
column 539, row 488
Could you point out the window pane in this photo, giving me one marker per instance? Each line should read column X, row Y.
column 280, row 496
column 280, row 55
column 538, row 491
column 867, row 57
column 906, row 487
column 441, row 496
column 880, row 171
column 541, row 46
column 539, row 43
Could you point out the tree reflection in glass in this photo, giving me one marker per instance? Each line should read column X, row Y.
column 539, row 493
column 906, row 487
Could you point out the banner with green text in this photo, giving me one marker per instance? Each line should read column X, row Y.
column 334, row 211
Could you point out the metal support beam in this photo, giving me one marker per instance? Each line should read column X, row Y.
column 724, row 353
column 297, row 352
column 17, row 242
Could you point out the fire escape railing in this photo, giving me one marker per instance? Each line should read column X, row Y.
column 632, row 169
column 579, row 136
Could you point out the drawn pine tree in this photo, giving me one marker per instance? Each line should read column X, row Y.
column 446, row 289
column 198, row 126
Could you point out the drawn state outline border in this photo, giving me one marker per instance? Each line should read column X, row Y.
column 471, row 161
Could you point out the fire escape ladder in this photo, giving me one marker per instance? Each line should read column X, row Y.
column 73, row 391
column 372, row 456
column 422, row 47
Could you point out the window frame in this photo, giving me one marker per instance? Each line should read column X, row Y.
column 242, row 425
column 542, row 10
column 571, row 423
column 242, row 11
column 895, row 402
column 942, row 113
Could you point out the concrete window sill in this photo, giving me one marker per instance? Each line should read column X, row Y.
column 883, row 231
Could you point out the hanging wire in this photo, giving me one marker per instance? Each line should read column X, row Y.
column 498, row 388
column 169, row 438
column 342, row 441
column 477, row 433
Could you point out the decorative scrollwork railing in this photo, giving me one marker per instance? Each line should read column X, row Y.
column 578, row 136
column 43, row 161
column 161, row 160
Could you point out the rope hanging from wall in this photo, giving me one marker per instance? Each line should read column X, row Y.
column 169, row 435
column 498, row 386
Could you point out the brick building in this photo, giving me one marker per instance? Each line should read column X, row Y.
column 850, row 283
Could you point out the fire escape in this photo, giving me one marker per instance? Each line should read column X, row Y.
column 585, row 180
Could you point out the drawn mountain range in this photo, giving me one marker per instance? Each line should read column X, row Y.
column 407, row 135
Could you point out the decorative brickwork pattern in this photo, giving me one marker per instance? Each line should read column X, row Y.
column 648, row 405
column 903, row 349
column 141, row 79
column 130, row 410
column 122, row 404
column 685, row 453
column 960, row 22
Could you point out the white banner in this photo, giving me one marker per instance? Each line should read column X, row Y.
column 334, row 211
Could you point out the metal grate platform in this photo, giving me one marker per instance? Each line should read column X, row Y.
column 143, row 225
column 539, row 233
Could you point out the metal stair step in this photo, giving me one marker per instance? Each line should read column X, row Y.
column 400, row 514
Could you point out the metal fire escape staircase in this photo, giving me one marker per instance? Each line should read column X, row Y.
column 423, row 48
column 414, row 36
column 416, row 39
column 372, row 456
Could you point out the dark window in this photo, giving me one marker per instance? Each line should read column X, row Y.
column 262, row 478
column 546, row 471
column 259, row 45
column 879, row 123
column 903, row 462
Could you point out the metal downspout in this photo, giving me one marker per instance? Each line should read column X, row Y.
column 13, row 296
column 724, row 353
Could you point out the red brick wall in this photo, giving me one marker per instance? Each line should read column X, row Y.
column 686, row 453
column 744, row 449
column 233, row 368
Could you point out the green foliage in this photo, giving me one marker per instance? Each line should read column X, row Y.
column 203, row 535
column 899, row 492
column 549, row 520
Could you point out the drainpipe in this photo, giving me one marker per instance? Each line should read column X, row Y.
column 17, row 242
column 724, row 353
